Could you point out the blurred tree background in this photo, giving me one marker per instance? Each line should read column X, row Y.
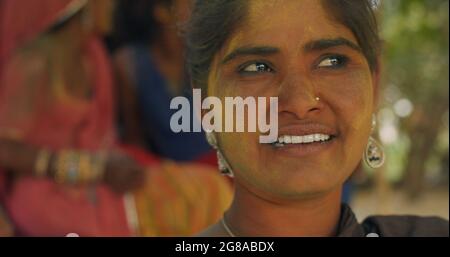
column 414, row 116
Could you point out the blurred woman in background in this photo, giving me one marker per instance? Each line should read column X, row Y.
column 56, row 115
column 150, row 70
column 62, row 170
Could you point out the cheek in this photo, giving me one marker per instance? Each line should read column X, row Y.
column 350, row 98
column 242, row 155
column 238, row 147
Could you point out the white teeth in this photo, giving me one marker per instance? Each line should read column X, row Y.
column 296, row 139
column 317, row 137
column 309, row 139
column 285, row 139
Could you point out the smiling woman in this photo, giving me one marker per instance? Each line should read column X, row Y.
column 320, row 59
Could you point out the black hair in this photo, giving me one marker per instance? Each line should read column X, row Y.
column 134, row 21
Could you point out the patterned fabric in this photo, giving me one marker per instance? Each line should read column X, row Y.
column 181, row 200
column 178, row 199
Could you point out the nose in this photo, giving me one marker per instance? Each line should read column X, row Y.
column 299, row 97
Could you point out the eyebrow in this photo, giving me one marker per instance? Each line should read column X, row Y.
column 316, row 45
column 244, row 51
column 323, row 44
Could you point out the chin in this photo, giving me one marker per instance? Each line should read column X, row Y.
column 300, row 184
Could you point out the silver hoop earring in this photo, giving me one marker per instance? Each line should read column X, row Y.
column 374, row 154
column 224, row 167
column 211, row 139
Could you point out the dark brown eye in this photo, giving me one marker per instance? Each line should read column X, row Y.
column 254, row 68
column 336, row 61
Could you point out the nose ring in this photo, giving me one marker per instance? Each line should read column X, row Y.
column 317, row 99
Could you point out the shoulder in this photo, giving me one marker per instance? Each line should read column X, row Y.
column 407, row 226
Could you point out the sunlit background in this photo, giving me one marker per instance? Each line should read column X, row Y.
column 413, row 119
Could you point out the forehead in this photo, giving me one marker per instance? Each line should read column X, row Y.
column 286, row 24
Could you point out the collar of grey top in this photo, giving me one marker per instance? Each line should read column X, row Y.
column 391, row 226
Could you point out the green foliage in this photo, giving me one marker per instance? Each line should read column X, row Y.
column 415, row 66
column 416, row 49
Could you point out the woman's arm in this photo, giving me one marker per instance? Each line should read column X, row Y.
column 120, row 172
column 17, row 157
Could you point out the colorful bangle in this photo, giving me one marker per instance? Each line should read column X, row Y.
column 85, row 167
column 59, row 167
column 73, row 167
column 67, row 167
column 79, row 167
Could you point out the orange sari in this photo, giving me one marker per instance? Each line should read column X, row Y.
column 178, row 199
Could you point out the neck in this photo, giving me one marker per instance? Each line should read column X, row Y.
column 168, row 47
column 168, row 53
column 68, row 44
column 251, row 215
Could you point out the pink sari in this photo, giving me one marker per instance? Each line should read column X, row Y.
column 43, row 207
column 22, row 20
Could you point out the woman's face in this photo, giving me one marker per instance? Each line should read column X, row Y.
column 296, row 51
